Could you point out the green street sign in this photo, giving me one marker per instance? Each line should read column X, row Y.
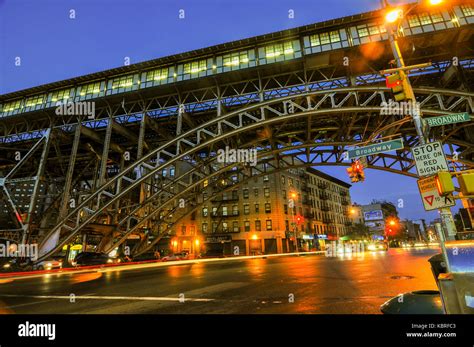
column 376, row 148
column 448, row 119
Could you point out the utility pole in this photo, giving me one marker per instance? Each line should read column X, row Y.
column 445, row 213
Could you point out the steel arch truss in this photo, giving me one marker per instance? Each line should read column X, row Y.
column 316, row 127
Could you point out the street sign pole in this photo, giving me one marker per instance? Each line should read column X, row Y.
column 446, row 216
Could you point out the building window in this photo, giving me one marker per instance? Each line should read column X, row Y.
column 183, row 229
column 255, row 192
column 285, row 208
column 235, row 194
column 235, row 210
column 265, row 178
column 279, row 52
column 225, row 227
column 282, row 179
column 34, row 100
column 247, row 226
column 258, row 225
column 235, row 226
column 246, row 193
column 157, row 75
column 214, row 211
column 467, row 10
column 205, row 212
column 12, row 106
column 235, row 61
column 246, row 208
column 269, row 224
column 204, row 228
column 283, row 192
column 257, row 208
column 287, row 225
column 224, row 210
column 266, row 192
column 89, row 89
column 61, row 95
column 214, row 227
column 290, row 181
column 122, row 82
column 268, row 208
column 195, row 67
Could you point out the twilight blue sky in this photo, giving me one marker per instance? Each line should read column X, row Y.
column 54, row 47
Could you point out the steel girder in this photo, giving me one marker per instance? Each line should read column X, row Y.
column 229, row 96
column 329, row 120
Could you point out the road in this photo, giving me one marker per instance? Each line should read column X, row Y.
column 288, row 284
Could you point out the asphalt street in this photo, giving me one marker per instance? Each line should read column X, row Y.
column 288, row 284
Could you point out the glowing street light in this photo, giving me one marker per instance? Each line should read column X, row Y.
column 435, row 2
column 393, row 15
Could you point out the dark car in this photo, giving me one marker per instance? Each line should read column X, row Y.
column 91, row 258
column 9, row 264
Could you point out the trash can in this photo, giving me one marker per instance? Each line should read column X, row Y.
column 438, row 265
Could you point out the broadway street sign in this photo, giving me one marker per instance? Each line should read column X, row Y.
column 448, row 119
column 376, row 148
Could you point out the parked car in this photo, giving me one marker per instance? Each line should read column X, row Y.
column 176, row 256
column 49, row 264
column 9, row 264
column 378, row 246
column 91, row 258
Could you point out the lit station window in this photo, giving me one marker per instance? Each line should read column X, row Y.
column 235, row 61
column 123, row 84
column 366, row 33
column 321, row 42
column 91, row 90
column 157, row 77
column 279, row 52
column 34, row 103
column 195, row 69
column 427, row 22
column 11, row 108
column 59, row 97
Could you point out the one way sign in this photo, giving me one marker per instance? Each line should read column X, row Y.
column 430, row 197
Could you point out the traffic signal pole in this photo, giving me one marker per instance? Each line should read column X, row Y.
column 445, row 213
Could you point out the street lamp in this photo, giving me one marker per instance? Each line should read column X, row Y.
column 393, row 18
column 393, row 15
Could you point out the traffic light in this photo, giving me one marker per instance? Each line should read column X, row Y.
column 352, row 175
column 396, row 83
column 466, row 183
column 356, row 172
column 444, row 183
column 299, row 220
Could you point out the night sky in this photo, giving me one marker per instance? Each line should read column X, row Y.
column 54, row 47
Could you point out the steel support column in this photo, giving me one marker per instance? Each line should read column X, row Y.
column 70, row 173
column 39, row 176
